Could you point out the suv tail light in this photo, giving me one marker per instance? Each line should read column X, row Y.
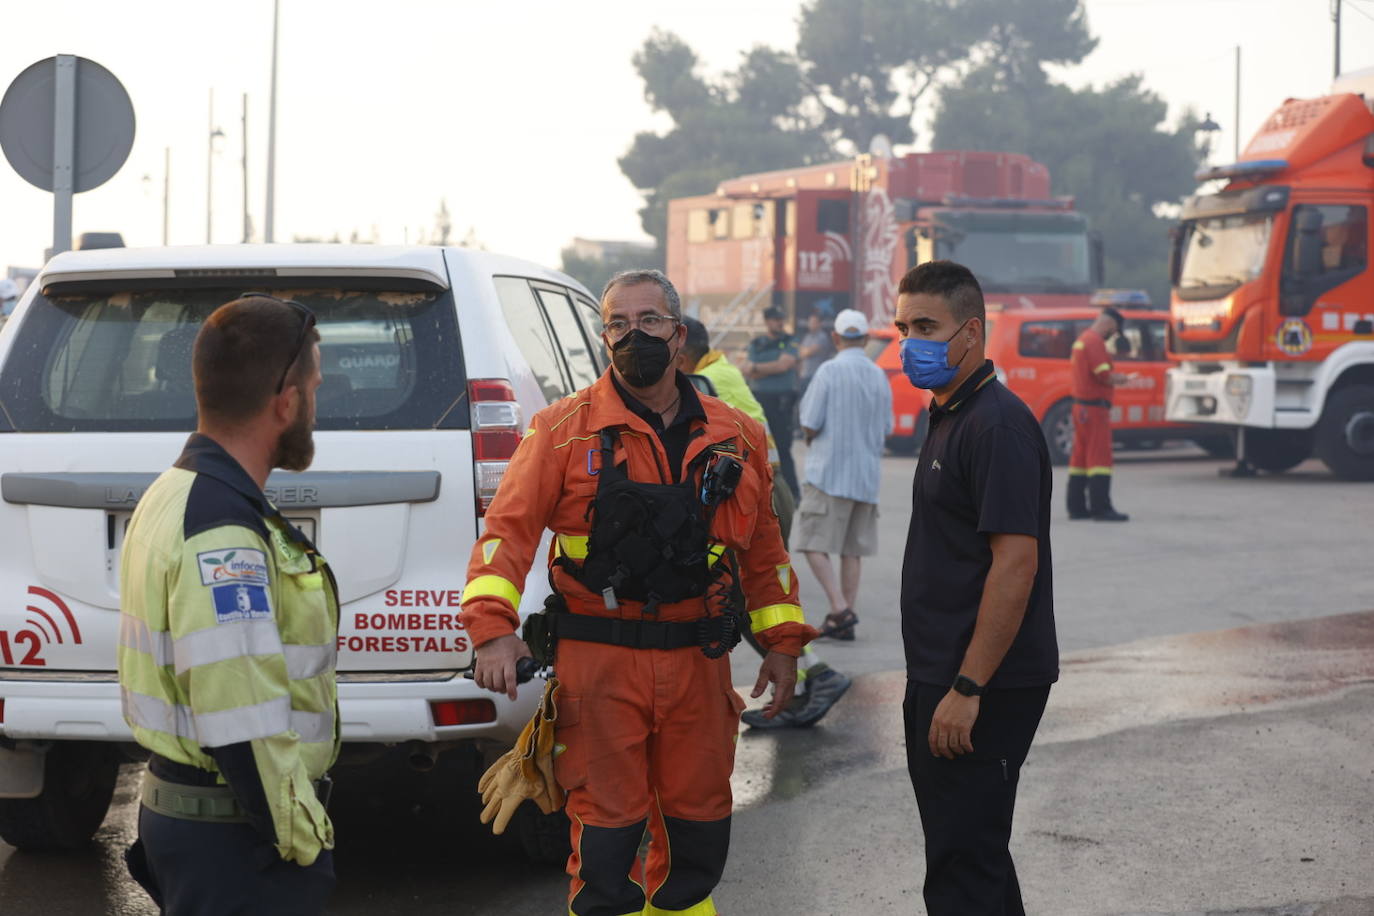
column 495, row 434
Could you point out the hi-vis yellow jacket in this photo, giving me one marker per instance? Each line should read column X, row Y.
column 552, row 480
column 228, row 628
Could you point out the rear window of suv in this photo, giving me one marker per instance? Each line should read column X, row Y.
column 121, row 361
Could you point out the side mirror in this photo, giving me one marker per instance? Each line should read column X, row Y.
column 1176, row 234
column 1307, row 243
column 1098, row 263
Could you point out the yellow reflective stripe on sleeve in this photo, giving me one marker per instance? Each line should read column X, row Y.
column 1099, row 471
column 774, row 614
column 491, row 587
column 489, row 550
column 1078, row 344
column 1105, row 367
column 572, row 546
column 714, row 553
column 704, row 908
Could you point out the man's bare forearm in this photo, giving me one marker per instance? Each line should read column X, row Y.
column 1006, row 592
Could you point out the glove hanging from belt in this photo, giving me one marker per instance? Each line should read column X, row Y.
column 526, row 770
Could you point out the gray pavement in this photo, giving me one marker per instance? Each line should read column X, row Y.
column 1209, row 748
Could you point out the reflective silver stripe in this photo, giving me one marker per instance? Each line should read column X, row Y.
column 304, row 662
column 313, row 727
column 216, row 729
column 134, row 634
column 225, row 641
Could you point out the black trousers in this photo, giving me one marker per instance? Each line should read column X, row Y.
column 195, row 868
column 966, row 803
column 779, row 407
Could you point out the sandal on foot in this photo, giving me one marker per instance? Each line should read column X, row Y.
column 840, row 626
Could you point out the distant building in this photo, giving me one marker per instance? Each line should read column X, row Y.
column 611, row 249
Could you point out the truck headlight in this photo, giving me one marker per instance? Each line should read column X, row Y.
column 1238, row 391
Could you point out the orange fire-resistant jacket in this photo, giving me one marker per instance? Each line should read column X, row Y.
column 551, row 482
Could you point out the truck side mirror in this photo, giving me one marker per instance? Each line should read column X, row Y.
column 1307, row 243
column 1097, row 253
column 1176, row 234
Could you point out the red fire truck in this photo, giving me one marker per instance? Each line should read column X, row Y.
column 843, row 234
column 1272, row 316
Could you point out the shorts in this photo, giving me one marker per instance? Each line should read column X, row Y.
column 834, row 524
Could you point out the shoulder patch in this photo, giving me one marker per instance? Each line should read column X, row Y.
column 232, row 565
column 241, row 601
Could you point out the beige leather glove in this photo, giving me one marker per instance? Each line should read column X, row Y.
column 526, row 770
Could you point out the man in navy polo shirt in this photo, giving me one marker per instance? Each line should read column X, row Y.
column 977, row 604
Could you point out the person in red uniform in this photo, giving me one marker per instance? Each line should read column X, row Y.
column 659, row 500
column 1090, row 465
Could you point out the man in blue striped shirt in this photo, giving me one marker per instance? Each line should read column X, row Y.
column 845, row 416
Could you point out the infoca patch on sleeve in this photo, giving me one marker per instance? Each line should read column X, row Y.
column 237, row 578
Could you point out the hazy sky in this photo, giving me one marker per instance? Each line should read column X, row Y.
column 514, row 112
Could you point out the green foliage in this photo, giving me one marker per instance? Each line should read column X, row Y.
column 750, row 120
column 1108, row 147
column 593, row 273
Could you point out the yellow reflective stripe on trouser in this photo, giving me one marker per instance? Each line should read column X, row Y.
column 572, row 546
column 774, row 614
column 491, row 586
column 1099, row 471
column 1078, row 472
column 704, row 908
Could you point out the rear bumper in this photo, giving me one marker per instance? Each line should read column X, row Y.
column 383, row 713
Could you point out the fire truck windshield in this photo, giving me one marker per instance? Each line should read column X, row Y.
column 1222, row 252
column 1019, row 252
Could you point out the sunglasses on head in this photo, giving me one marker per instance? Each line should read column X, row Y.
column 307, row 322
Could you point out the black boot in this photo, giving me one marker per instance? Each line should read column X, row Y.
column 1100, row 500
column 1078, row 497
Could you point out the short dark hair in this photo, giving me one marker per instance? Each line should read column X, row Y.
column 1114, row 315
column 952, row 282
column 774, row 313
column 698, row 338
column 241, row 352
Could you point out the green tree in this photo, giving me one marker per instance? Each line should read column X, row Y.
column 1110, row 148
column 753, row 119
column 593, row 273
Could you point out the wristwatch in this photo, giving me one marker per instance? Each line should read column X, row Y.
column 967, row 686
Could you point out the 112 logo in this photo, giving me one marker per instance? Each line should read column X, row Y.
column 25, row 647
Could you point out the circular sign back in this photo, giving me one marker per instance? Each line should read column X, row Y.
column 104, row 124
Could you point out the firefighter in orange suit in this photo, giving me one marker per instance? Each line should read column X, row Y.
column 1090, row 465
column 659, row 501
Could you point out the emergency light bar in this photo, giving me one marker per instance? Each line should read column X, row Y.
column 1131, row 298
column 1253, row 170
column 1052, row 203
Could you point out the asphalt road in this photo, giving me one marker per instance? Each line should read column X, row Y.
column 1208, row 749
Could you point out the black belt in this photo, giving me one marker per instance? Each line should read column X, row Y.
column 185, row 774
column 1093, row 402
column 645, row 634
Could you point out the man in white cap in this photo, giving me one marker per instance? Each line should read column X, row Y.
column 846, row 416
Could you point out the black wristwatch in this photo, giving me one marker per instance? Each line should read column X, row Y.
column 967, row 686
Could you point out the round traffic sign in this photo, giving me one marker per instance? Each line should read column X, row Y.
column 104, row 124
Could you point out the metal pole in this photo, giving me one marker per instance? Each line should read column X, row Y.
column 269, row 217
column 1236, row 129
column 210, row 168
column 166, row 191
column 1336, row 17
column 247, row 225
column 63, row 151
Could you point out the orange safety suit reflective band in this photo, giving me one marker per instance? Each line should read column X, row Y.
column 648, row 734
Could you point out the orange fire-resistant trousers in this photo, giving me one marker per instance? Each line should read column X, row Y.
column 1092, row 441
column 646, row 739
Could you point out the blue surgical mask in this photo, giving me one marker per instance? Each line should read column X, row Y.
column 926, row 362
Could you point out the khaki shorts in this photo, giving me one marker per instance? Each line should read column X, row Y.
column 834, row 524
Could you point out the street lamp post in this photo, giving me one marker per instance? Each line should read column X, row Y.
column 214, row 134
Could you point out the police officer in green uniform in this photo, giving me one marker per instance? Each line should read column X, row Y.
column 228, row 629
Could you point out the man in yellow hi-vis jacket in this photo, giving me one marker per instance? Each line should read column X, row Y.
column 228, row 628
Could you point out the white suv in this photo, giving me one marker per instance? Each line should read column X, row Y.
column 433, row 358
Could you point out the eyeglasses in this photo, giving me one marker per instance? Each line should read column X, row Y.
column 307, row 322
column 649, row 324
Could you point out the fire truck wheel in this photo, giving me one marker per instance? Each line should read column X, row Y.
column 544, row 837
column 1277, row 450
column 1058, row 427
column 1345, row 434
column 78, row 783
